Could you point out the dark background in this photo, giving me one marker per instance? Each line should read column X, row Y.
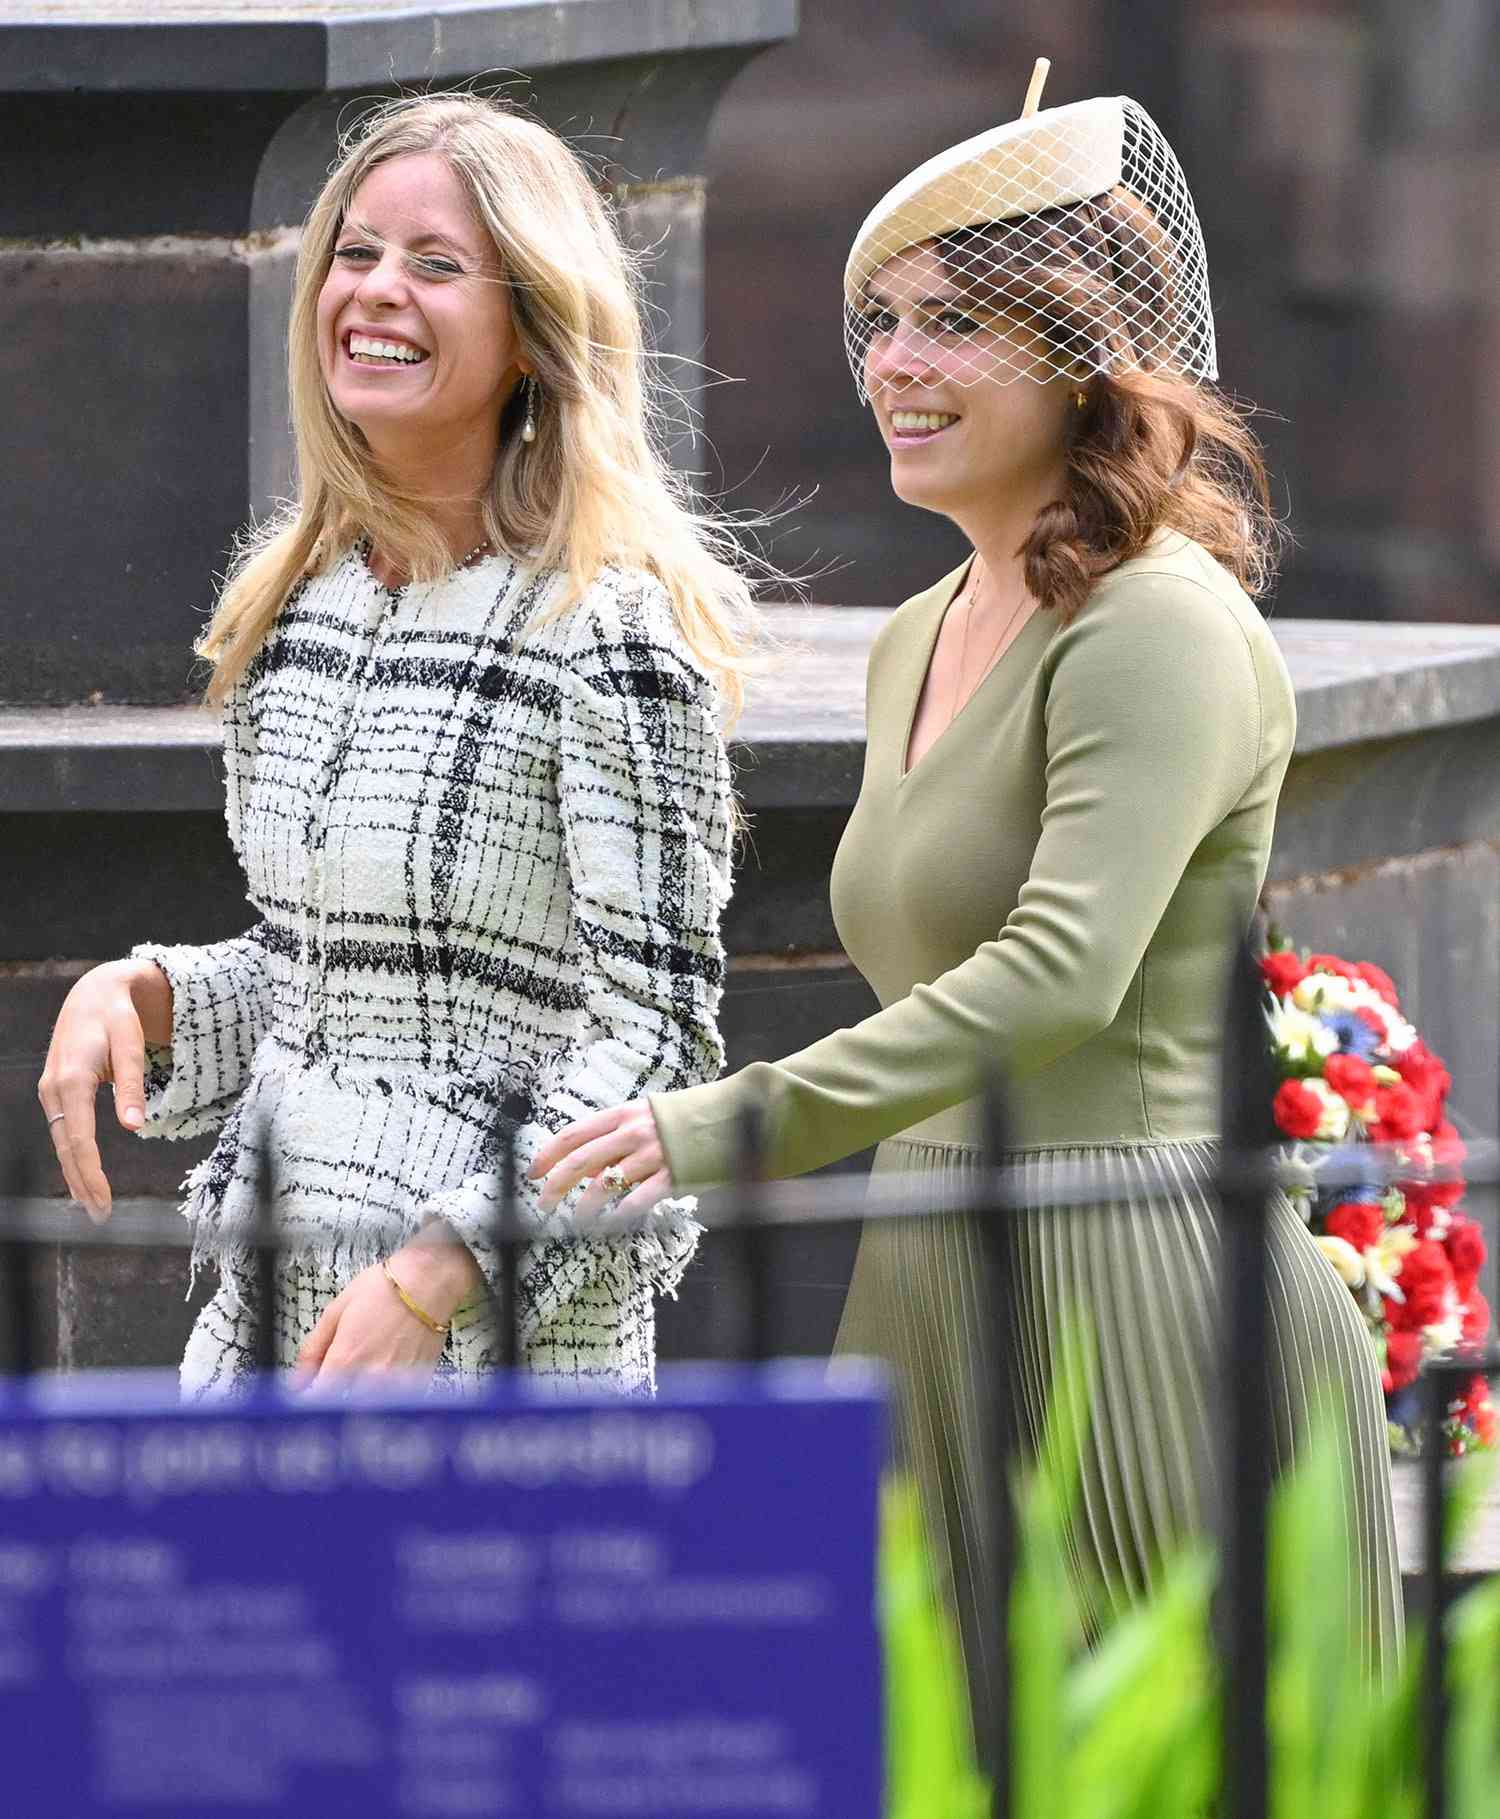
column 1343, row 155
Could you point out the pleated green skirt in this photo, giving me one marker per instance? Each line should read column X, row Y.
column 1142, row 1268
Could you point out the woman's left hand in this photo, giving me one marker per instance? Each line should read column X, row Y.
column 623, row 1137
column 370, row 1328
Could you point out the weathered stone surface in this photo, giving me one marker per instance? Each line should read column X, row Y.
column 1371, row 681
column 51, row 46
column 1480, row 1552
column 1354, row 806
column 147, row 428
column 801, row 741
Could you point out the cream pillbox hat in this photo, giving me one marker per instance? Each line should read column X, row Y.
column 1046, row 160
column 1078, row 218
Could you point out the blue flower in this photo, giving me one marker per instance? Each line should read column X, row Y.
column 1354, row 1034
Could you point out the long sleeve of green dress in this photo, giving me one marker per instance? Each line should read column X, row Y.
column 1143, row 749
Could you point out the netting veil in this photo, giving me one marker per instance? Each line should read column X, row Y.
column 1063, row 243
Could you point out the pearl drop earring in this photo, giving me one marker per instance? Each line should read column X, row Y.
column 528, row 428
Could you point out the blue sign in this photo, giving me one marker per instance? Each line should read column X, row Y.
column 514, row 1604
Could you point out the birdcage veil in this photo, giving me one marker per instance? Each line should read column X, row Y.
column 1064, row 243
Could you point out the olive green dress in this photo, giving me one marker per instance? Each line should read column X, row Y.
column 1058, row 882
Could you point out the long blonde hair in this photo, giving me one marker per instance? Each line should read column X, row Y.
column 592, row 489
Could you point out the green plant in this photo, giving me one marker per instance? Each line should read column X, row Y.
column 1128, row 1728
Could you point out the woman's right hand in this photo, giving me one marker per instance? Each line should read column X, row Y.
column 100, row 1039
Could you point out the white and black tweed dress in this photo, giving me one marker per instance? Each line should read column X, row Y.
column 489, row 846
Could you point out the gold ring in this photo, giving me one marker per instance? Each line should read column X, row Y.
column 614, row 1178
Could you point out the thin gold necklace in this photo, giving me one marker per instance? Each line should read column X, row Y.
column 971, row 592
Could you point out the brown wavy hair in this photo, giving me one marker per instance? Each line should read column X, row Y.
column 1152, row 448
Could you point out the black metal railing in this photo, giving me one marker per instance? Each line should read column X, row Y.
column 754, row 1210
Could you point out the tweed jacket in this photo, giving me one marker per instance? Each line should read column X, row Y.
column 489, row 846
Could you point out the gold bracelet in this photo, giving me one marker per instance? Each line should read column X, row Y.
column 440, row 1327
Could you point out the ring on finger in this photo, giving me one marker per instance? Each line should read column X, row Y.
column 54, row 1118
column 614, row 1178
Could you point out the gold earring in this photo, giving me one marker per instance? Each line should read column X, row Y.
column 1082, row 401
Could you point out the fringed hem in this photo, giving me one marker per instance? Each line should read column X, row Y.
column 357, row 1164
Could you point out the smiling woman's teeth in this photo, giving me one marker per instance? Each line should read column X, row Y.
column 904, row 422
column 361, row 347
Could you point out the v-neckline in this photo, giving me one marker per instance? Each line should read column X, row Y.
column 906, row 770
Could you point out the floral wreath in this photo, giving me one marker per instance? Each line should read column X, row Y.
column 1353, row 1072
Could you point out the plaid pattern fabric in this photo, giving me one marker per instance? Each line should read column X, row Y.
column 489, row 847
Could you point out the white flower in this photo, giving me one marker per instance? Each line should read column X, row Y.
column 1333, row 1124
column 1299, row 1036
column 1328, row 992
column 1344, row 1258
column 1399, row 1034
column 1443, row 1335
column 1383, row 1261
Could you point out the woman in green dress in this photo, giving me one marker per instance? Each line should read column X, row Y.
column 1075, row 746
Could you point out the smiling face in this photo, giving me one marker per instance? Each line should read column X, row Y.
column 416, row 338
column 952, row 394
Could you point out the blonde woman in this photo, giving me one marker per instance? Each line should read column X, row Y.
column 472, row 687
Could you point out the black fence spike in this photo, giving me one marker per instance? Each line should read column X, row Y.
column 1437, row 1393
column 506, row 1296
column 1243, row 1193
column 16, row 1251
column 755, row 1235
column 267, row 1254
column 997, row 1250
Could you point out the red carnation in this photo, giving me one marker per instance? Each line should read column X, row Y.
column 1297, row 1111
column 1424, row 1281
column 1403, row 1359
column 1465, row 1247
column 1425, row 1074
column 1282, row 971
column 1356, row 1222
column 1433, row 1193
column 1398, row 1114
column 1476, row 1318
column 1378, row 980
column 1479, row 1409
column 1352, row 1079
column 1423, row 1201
column 1330, row 963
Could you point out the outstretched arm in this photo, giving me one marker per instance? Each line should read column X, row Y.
column 1154, row 734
